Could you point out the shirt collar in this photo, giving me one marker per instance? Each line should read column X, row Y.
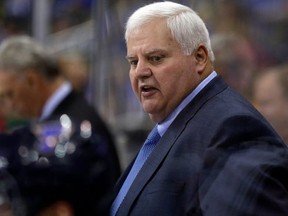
column 55, row 100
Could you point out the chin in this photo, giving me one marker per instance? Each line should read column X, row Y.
column 147, row 109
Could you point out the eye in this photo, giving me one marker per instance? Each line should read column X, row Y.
column 133, row 62
column 155, row 58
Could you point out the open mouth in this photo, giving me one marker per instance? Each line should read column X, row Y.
column 146, row 89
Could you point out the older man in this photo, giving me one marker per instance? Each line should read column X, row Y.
column 211, row 153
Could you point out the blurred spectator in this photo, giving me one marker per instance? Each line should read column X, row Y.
column 271, row 97
column 81, row 178
column 236, row 61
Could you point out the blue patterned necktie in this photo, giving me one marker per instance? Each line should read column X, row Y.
column 143, row 154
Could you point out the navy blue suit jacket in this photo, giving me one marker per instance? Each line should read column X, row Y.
column 219, row 157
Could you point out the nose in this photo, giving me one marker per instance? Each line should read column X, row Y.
column 142, row 70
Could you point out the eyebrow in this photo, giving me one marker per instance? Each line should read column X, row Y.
column 150, row 52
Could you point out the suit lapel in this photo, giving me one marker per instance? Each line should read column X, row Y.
column 165, row 144
column 150, row 166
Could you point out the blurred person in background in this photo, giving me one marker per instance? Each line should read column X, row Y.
column 211, row 152
column 235, row 61
column 33, row 87
column 270, row 96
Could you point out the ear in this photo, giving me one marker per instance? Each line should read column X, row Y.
column 201, row 57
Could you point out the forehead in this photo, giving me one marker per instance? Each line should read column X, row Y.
column 268, row 87
column 267, row 81
column 154, row 35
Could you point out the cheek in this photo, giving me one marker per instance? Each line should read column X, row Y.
column 133, row 82
column 24, row 96
column 178, row 82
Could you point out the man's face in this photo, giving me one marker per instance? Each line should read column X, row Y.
column 16, row 96
column 269, row 99
column 160, row 74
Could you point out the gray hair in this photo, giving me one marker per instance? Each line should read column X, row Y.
column 186, row 27
column 18, row 53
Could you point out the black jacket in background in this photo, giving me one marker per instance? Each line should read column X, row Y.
column 84, row 178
